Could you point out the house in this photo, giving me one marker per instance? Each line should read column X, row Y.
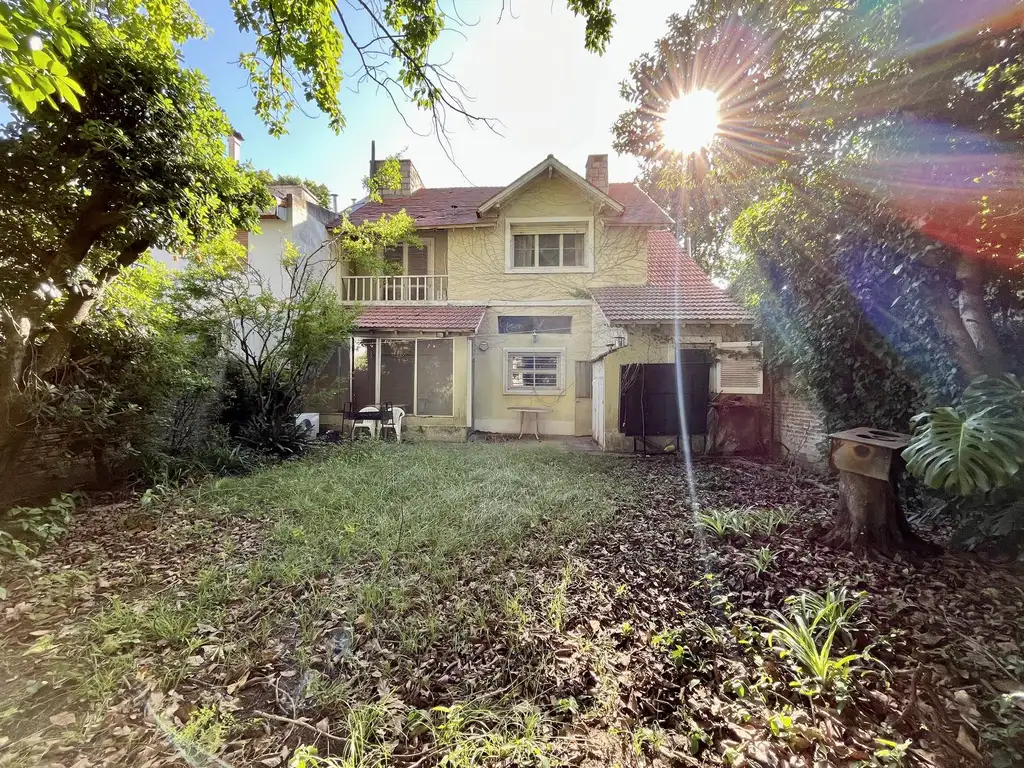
column 544, row 293
column 295, row 216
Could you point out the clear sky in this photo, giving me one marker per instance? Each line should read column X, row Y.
column 531, row 72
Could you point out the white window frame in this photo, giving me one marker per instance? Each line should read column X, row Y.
column 537, row 221
column 732, row 347
column 559, row 387
column 415, row 370
column 428, row 242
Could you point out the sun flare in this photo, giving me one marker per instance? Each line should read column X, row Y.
column 691, row 121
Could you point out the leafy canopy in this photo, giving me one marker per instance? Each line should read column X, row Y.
column 296, row 56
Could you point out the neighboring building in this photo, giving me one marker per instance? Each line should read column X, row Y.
column 545, row 292
column 294, row 217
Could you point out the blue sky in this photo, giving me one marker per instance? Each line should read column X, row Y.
column 531, row 72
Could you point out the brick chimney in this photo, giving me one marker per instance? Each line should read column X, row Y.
column 235, row 146
column 411, row 181
column 597, row 171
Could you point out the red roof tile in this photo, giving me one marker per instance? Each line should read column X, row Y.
column 422, row 318
column 677, row 289
column 440, row 207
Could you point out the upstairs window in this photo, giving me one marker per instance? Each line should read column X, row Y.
column 548, row 246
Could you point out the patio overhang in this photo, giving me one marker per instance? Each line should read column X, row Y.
column 424, row 319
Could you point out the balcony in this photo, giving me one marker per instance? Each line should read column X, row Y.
column 367, row 289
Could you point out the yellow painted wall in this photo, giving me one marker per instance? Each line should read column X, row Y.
column 491, row 405
column 651, row 344
column 476, row 257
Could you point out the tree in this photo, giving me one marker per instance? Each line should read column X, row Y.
column 835, row 117
column 83, row 194
column 320, row 191
column 278, row 345
column 297, row 49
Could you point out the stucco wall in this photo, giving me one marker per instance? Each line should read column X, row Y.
column 306, row 233
column 477, row 257
column 491, row 405
column 651, row 344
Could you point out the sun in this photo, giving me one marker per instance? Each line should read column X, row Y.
column 691, row 121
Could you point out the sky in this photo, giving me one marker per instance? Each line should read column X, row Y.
column 530, row 71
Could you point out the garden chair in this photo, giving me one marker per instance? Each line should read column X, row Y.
column 370, row 424
column 394, row 423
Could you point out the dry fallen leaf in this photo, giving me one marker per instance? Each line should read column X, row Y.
column 64, row 719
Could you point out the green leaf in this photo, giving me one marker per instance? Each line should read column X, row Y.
column 966, row 453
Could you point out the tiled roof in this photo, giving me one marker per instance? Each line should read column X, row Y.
column 422, row 318
column 640, row 208
column 440, row 207
column 677, row 289
column 434, row 207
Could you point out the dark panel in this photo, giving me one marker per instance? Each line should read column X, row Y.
column 647, row 401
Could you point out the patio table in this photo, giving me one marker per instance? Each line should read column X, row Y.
column 536, row 410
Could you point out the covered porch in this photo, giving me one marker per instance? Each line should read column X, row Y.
column 416, row 359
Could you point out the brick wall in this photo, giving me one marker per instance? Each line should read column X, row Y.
column 45, row 471
column 799, row 431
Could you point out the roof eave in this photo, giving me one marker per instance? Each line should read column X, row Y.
column 552, row 163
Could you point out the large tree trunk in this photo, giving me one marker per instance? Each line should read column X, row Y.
column 870, row 519
column 975, row 314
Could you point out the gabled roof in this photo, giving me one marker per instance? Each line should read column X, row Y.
column 676, row 289
column 550, row 163
column 422, row 318
column 442, row 207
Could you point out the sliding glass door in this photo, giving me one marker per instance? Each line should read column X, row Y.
column 416, row 375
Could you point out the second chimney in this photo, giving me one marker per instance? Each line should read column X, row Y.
column 597, row 171
column 235, row 146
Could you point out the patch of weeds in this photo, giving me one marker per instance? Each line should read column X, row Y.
column 806, row 637
column 203, row 735
column 1003, row 733
column 26, row 530
column 559, row 598
column 745, row 521
column 761, row 561
column 469, row 736
column 647, row 741
column 836, row 607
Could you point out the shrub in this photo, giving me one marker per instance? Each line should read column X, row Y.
column 26, row 530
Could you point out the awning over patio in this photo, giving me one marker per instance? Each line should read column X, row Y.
column 459, row 319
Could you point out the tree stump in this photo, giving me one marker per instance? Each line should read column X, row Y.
column 870, row 519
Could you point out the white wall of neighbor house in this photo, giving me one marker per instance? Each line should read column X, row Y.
column 491, row 400
column 304, row 231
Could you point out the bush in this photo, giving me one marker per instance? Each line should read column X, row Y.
column 26, row 530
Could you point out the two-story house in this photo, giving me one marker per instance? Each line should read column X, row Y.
column 539, row 294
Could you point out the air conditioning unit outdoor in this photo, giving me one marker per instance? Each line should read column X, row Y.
column 739, row 369
column 309, row 423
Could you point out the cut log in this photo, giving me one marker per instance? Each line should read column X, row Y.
column 870, row 519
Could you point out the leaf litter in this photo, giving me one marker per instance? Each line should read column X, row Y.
column 641, row 640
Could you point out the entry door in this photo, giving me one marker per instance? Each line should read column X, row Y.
column 597, row 401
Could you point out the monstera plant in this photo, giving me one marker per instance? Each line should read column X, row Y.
column 977, row 447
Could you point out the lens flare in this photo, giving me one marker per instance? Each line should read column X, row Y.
column 691, row 121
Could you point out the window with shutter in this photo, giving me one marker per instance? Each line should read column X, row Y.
column 533, row 370
column 739, row 369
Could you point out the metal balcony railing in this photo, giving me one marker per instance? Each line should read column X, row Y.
column 385, row 288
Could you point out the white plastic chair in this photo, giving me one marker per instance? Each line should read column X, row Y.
column 399, row 416
column 368, row 424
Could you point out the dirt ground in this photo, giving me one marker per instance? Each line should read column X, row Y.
column 640, row 638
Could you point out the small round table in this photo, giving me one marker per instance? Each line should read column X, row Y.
column 536, row 410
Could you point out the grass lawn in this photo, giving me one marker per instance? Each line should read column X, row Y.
column 499, row 604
